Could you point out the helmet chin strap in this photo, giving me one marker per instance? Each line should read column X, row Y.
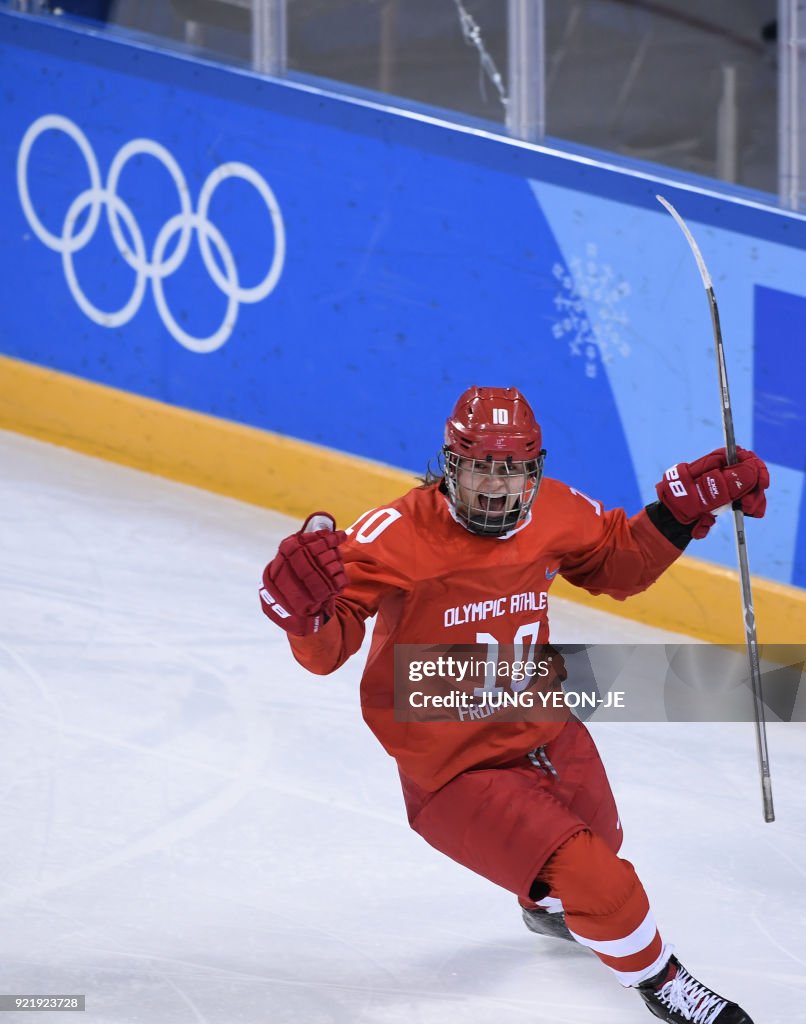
column 489, row 526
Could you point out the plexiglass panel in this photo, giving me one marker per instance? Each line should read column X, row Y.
column 422, row 50
column 683, row 83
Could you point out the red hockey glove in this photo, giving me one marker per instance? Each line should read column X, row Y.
column 692, row 491
column 301, row 582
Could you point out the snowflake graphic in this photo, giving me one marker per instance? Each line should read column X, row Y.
column 588, row 310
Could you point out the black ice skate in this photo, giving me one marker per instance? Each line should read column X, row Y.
column 543, row 923
column 676, row 997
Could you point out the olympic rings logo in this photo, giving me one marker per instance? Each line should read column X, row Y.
column 159, row 266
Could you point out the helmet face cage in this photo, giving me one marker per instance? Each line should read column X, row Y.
column 492, row 496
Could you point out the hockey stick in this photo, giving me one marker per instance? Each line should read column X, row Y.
column 738, row 522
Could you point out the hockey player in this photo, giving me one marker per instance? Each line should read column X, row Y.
column 526, row 804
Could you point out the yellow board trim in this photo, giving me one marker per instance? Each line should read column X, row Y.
column 218, row 455
column 296, row 478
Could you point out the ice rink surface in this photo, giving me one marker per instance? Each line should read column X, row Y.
column 195, row 830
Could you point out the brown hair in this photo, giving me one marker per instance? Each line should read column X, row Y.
column 431, row 476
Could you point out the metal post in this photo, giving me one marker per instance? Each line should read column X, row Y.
column 727, row 127
column 388, row 45
column 194, row 33
column 269, row 41
column 526, row 114
column 791, row 104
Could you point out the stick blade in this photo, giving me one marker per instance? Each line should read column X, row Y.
column 706, row 277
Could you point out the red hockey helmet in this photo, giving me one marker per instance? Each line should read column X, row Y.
column 493, row 422
column 493, row 460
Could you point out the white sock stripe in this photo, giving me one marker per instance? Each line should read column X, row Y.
column 551, row 904
column 630, row 978
column 632, row 943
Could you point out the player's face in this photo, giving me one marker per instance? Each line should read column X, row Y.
column 490, row 489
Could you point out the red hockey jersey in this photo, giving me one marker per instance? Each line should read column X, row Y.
column 431, row 581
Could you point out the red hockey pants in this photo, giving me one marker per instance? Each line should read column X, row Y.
column 552, row 818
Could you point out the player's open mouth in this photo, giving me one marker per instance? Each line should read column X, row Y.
column 492, row 503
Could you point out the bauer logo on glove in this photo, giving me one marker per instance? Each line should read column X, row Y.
column 694, row 491
column 276, row 608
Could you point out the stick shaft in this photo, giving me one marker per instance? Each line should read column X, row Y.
column 724, row 391
column 738, row 523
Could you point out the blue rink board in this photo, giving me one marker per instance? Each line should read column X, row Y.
column 418, row 257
